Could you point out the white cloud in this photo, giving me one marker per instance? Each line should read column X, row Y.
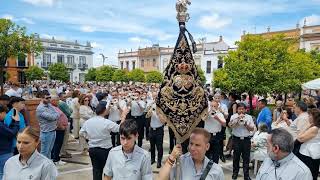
column 40, row 2
column 311, row 20
column 96, row 45
column 86, row 28
column 23, row 19
column 26, row 20
column 138, row 40
column 214, row 21
column 7, row 16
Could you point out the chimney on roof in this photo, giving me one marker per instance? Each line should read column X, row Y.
column 36, row 35
column 305, row 22
column 88, row 44
column 220, row 38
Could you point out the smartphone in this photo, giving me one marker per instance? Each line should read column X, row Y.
column 14, row 112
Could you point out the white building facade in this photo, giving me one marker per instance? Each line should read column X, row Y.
column 310, row 37
column 77, row 58
column 208, row 57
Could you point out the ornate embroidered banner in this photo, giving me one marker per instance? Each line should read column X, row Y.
column 182, row 101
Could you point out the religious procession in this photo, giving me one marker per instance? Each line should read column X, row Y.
column 121, row 127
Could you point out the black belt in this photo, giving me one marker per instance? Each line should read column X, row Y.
column 154, row 129
column 241, row 138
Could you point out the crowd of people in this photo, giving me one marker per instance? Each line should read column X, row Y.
column 110, row 121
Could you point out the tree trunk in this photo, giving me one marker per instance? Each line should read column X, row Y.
column 250, row 103
column 285, row 98
column 1, row 79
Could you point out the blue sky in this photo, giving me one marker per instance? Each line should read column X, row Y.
column 113, row 25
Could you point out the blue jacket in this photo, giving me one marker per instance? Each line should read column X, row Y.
column 8, row 120
column 265, row 116
column 7, row 134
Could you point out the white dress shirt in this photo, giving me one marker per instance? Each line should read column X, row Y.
column 212, row 125
column 241, row 131
column 97, row 130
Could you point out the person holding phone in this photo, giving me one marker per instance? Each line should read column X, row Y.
column 17, row 104
column 7, row 134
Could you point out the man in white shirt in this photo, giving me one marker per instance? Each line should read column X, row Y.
column 213, row 125
column 137, row 112
column 241, row 124
column 282, row 163
column 193, row 164
column 128, row 161
column 301, row 123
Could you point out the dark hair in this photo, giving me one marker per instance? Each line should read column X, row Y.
column 15, row 100
column 101, row 107
column 203, row 132
column 61, row 94
column 241, row 105
column 315, row 113
column 4, row 98
column 43, row 93
column 128, row 127
column 3, row 108
column 75, row 93
column 263, row 127
column 233, row 96
column 263, row 101
column 210, row 97
column 302, row 105
column 283, row 139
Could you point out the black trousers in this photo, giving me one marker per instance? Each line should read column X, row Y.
column 98, row 158
column 115, row 137
column 313, row 164
column 57, row 145
column 140, row 120
column 241, row 147
column 172, row 139
column 214, row 150
column 156, row 140
column 147, row 124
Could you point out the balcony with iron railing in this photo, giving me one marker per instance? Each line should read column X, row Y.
column 71, row 66
column 82, row 66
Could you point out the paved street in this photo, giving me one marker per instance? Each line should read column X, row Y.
column 79, row 167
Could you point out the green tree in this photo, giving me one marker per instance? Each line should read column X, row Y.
column 34, row 73
column 91, row 75
column 120, row 75
column 105, row 73
column 58, row 71
column 13, row 42
column 201, row 75
column 255, row 67
column 136, row 75
column 154, row 77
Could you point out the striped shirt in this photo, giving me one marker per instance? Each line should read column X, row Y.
column 47, row 117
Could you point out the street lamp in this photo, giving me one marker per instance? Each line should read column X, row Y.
column 103, row 58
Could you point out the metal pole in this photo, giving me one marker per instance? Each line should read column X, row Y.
column 178, row 164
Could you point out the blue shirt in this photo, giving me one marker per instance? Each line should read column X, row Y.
column 8, row 120
column 265, row 116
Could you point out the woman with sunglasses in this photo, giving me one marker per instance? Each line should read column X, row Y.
column 86, row 113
